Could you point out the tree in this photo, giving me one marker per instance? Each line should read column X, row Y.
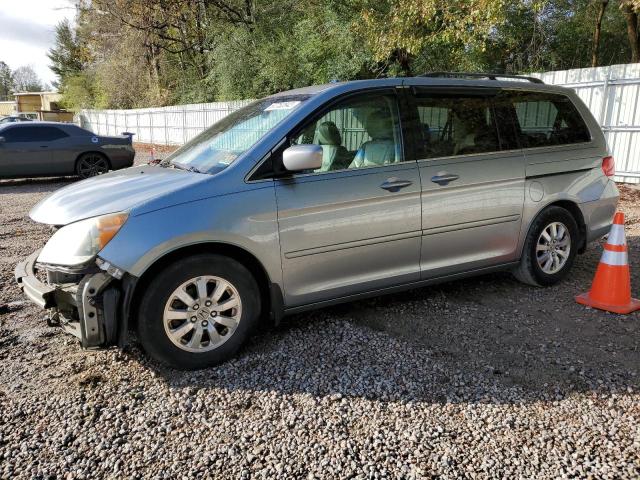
column 80, row 92
column 131, row 53
column 595, row 48
column 68, row 57
column 397, row 31
column 290, row 45
column 7, row 84
column 630, row 10
column 178, row 31
column 26, row 79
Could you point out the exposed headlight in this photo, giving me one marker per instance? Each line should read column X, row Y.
column 79, row 242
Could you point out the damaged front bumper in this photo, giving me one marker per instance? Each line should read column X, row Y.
column 87, row 303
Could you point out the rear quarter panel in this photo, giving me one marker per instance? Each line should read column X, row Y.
column 118, row 149
column 593, row 192
column 67, row 152
column 570, row 173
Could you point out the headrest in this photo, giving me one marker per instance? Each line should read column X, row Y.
column 379, row 126
column 328, row 134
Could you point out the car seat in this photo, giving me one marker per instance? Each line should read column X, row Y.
column 334, row 155
column 381, row 149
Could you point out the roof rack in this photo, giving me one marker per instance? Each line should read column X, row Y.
column 490, row 76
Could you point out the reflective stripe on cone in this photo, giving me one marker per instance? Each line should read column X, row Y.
column 616, row 235
column 614, row 259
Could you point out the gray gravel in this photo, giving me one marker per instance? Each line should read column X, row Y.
column 481, row 378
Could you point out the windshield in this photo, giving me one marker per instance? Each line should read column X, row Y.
column 218, row 146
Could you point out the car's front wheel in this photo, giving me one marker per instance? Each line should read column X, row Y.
column 197, row 312
column 549, row 249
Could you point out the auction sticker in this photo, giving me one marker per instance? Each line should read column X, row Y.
column 281, row 106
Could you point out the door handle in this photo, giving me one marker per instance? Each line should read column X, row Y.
column 393, row 184
column 44, row 146
column 444, row 178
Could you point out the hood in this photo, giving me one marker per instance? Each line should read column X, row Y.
column 117, row 191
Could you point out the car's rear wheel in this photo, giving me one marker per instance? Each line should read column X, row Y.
column 550, row 248
column 197, row 312
column 91, row 164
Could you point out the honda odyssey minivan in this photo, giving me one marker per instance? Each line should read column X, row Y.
column 323, row 195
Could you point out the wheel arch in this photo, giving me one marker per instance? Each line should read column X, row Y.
column 576, row 213
column 270, row 294
column 573, row 208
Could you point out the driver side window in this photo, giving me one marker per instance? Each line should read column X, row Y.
column 357, row 133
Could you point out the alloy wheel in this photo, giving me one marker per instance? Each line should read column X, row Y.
column 92, row 165
column 553, row 248
column 202, row 313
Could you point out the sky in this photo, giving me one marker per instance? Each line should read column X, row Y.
column 27, row 32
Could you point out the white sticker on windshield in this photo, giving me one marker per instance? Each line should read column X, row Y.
column 226, row 158
column 282, row 105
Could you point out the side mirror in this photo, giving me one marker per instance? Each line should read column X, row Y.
column 2, row 140
column 302, row 157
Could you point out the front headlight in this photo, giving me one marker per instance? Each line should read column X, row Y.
column 79, row 242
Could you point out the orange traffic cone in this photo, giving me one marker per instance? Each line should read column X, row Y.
column 611, row 288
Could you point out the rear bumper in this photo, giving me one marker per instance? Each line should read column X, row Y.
column 122, row 157
column 598, row 214
column 86, row 305
column 122, row 161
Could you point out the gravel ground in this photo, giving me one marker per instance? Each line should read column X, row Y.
column 481, row 378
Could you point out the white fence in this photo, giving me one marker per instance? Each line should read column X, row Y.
column 611, row 93
column 161, row 126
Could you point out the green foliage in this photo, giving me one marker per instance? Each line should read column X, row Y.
column 7, row 84
column 292, row 50
column 404, row 29
column 68, row 57
column 132, row 53
column 555, row 36
column 79, row 91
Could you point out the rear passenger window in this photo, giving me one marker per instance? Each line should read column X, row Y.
column 48, row 134
column 548, row 119
column 455, row 125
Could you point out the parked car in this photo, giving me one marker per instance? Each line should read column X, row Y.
column 323, row 195
column 46, row 149
column 14, row 119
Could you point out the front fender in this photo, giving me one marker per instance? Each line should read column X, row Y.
column 246, row 219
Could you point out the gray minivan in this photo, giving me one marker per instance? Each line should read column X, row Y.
column 323, row 195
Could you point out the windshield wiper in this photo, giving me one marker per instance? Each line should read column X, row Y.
column 184, row 167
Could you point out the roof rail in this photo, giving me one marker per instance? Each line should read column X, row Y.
column 490, row 76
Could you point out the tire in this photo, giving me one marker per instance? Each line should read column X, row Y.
column 175, row 342
column 91, row 164
column 530, row 270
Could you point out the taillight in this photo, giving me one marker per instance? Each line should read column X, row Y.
column 609, row 166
